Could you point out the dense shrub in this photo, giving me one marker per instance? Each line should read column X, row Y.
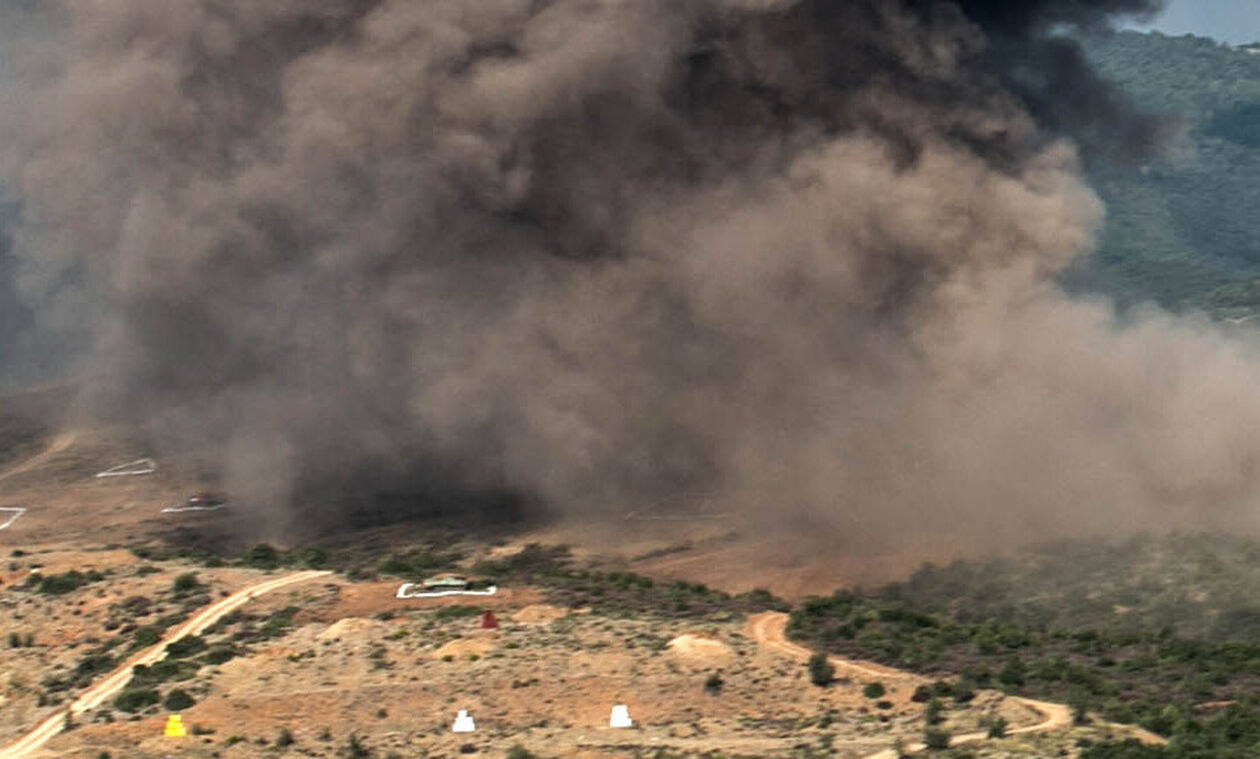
column 219, row 654
column 178, row 700
column 821, row 671
column 457, row 612
column 166, row 670
column 63, row 583
column 262, row 556
column 189, row 645
column 936, row 740
column 133, row 700
column 186, row 584
column 998, row 728
column 145, row 636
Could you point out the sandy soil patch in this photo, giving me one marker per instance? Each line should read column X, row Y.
column 701, row 651
column 351, row 628
column 462, row 648
column 539, row 613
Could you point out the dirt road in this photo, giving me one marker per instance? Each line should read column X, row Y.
column 109, row 686
column 55, row 446
column 768, row 630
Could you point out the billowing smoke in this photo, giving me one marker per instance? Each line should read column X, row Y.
column 794, row 257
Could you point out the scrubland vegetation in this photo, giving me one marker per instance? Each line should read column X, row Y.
column 1178, row 658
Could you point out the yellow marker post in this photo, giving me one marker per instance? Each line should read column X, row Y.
column 175, row 726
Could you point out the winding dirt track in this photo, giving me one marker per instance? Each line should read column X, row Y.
column 768, row 630
column 107, row 687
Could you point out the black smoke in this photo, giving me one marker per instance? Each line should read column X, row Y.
column 1037, row 58
column 373, row 257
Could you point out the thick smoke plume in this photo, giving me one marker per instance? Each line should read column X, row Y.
column 796, row 258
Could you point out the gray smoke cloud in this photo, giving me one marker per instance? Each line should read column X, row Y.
column 796, row 257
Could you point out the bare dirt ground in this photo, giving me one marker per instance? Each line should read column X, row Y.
column 66, row 505
column 547, row 682
column 332, row 659
column 730, row 554
column 549, row 686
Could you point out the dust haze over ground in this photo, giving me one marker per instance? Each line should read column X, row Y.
column 796, row 257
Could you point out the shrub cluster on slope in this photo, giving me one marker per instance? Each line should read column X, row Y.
column 1194, row 585
column 969, row 619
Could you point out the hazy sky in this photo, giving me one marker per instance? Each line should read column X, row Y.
column 1232, row 21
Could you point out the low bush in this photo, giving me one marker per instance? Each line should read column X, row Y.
column 186, row 584
column 936, row 740
column 189, row 645
column 56, row 585
column 355, row 748
column 178, row 700
column 998, row 728
column 713, row 683
column 821, row 671
column 133, row 700
column 220, row 654
column 278, row 623
column 145, row 636
column 456, row 612
column 166, row 670
column 262, row 556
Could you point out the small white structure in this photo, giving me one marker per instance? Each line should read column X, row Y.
column 463, row 723
column 620, row 716
column 131, row 468
column 13, row 514
column 405, row 591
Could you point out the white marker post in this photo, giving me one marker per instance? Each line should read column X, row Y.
column 463, row 723
column 620, row 716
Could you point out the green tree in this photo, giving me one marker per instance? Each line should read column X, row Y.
column 821, row 671
column 932, row 713
column 1013, row 673
column 178, row 700
column 998, row 728
column 1078, row 701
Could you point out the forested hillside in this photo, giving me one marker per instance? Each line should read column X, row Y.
column 1184, row 229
